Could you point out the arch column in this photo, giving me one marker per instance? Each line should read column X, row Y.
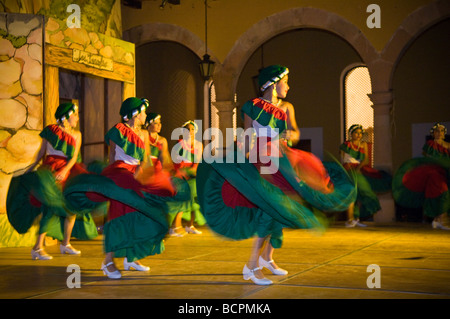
column 225, row 112
column 382, row 105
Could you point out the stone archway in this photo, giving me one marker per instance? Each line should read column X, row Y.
column 382, row 71
column 382, row 74
column 166, row 32
column 381, row 65
column 411, row 28
column 228, row 73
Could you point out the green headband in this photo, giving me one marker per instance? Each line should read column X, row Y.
column 131, row 107
column 437, row 125
column 354, row 127
column 151, row 117
column 270, row 75
column 64, row 111
column 192, row 123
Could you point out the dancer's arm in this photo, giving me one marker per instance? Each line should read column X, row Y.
column 365, row 161
column 39, row 156
column 248, row 138
column 146, row 138
column 112, row 152
column 293, row 133
column 63, row 172
column 165, row 158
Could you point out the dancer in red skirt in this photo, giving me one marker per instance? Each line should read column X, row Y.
column 40, row 192
column 188, row 154
column 355, row 158
column 424, row 181
column 157, row 144
column 269, row 186
column 137, row 216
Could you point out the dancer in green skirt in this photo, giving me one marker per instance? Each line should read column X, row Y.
column 423, row 182
column 137, row 215
column 40, row 192
column 188, row 154
column 268, row 186
column 369, row 181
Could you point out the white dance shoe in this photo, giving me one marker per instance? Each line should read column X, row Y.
column 192, row 230
column 249, row 274
column 40, row 254
column 128, row 266
column 268, row 265
column 68, row 249
column 111, row 274
column 354, row 223
column 438, row 225
column 174, row 233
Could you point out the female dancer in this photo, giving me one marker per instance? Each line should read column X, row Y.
column 354, row 157
column 60, row 149
column 242, row 197
column 137, row 221
column 158, row 147
column 189, row 153
column 424, row 181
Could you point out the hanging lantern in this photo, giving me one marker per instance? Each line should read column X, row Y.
column 206, row 67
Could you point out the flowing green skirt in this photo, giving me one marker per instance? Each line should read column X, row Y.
column 36, row 194
column 239, row 203
column 136, row 234
column 423, row 182
column 187, row 207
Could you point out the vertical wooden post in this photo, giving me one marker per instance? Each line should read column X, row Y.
column 51, row 102
column 51, row 93
column 129, row 90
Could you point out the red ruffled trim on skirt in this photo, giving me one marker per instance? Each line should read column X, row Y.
column 233, row 198
column 365, row 170
column 310, row 170
column 307, row 167
column 54, row 163
column 429, row 179
column 147, row 181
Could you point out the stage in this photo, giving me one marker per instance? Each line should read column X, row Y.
column 413, row 261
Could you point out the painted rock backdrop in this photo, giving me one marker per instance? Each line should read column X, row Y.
column 95, row 48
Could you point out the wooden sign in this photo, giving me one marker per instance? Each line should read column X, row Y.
column 92, row 60
column 63, row 58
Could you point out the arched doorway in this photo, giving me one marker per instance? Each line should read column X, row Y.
column 168, row 75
